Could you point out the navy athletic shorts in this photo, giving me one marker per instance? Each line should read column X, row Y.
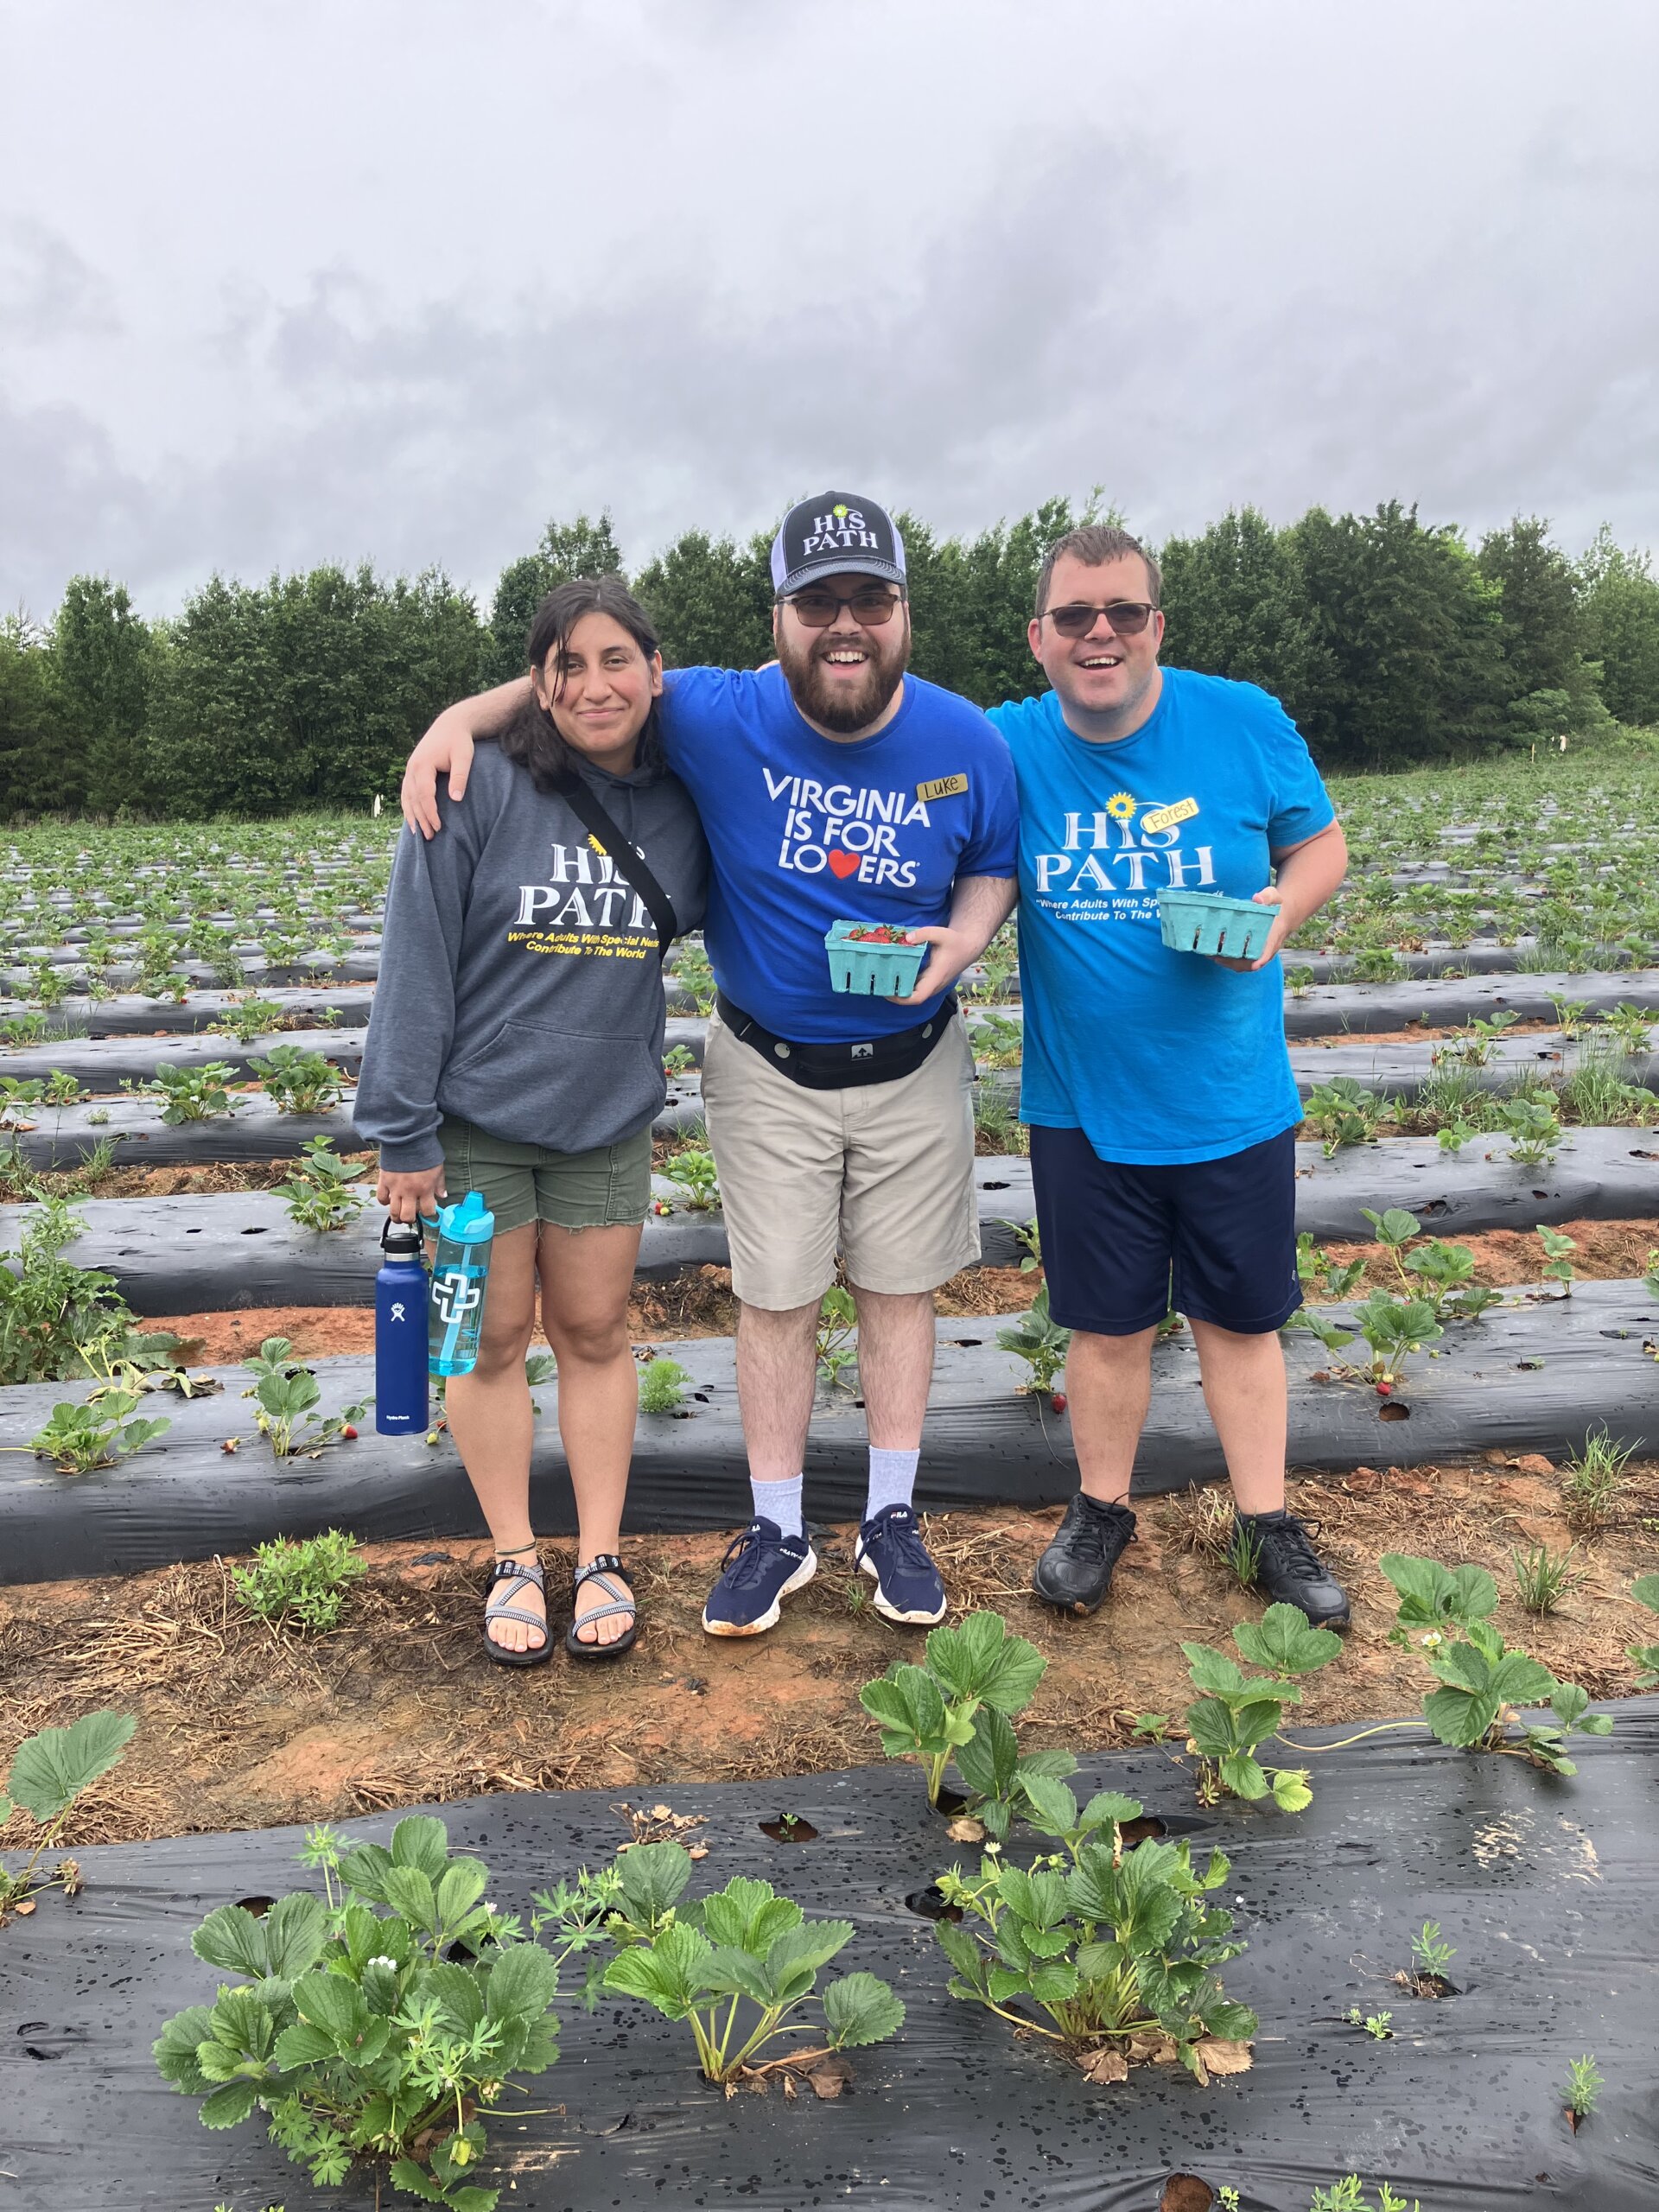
column 1214, row 1238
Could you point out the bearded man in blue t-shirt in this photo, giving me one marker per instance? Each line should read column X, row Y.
column 1157, row 1084
column 833, row 787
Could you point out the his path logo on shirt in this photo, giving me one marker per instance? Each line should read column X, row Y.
column 1110, row 866
column 850, row 832
column 586, row 908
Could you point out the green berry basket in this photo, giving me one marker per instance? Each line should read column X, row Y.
column 1208, row 921
column 880, row 971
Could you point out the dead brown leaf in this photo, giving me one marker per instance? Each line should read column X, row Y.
column 1103, row 2066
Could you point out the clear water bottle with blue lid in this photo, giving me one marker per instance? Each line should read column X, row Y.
column 460, row 1269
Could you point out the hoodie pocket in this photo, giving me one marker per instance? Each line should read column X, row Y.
column 560, row 1088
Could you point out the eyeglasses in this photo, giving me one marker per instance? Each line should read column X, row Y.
column 1127, row 617
column 872, row 605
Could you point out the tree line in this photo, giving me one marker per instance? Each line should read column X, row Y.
column 1389, row 640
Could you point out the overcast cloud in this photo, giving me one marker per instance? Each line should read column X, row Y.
column 283, row 284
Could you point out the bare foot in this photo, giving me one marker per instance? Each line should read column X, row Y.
column 589, row 1597
column 516, row 1636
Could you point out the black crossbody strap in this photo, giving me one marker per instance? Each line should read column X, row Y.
column 628, row 863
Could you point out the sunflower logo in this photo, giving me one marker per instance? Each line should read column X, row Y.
column 1121, row 807
column 594, row 845
column 839, row 511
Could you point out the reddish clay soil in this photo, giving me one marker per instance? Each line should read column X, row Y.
column 245, row 1725
column 699, row 1303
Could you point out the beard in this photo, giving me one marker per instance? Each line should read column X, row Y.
column 824, row 700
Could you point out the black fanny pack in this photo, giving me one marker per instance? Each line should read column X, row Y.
column 840, row 1067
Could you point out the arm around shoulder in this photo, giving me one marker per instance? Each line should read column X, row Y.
column 447, row 748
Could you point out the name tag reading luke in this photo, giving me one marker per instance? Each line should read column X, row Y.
column 1166, row 818
column 941, row 787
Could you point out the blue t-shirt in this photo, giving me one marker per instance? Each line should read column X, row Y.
column 805, row 831
column 1159, row 1057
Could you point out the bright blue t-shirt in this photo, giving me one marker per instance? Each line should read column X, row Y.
column 806, row 831
column 1159, row 1057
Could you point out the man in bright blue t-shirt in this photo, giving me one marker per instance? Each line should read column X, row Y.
column 1157, row 1084
column 832, row 787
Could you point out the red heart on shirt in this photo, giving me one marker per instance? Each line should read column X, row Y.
column 843, row 864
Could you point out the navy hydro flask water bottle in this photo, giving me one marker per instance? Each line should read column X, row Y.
column 400, row 1294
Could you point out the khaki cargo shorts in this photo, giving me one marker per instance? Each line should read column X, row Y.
column 883, row 1173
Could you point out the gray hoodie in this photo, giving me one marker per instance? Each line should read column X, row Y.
column 519, row 983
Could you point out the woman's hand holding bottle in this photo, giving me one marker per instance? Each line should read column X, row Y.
column 407, row 1196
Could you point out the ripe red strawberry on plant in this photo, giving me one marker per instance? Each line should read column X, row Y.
column 879, row 933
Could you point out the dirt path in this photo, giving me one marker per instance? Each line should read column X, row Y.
column 240, row 1725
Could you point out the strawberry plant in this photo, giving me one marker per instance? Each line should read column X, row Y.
column 99, row 1433
column 959, row 1705
column 694, row 1171
column 1533, row 1127
column 1482, row 1682
column 289, row 1396
column 998, row 1042
column 704, row 1961
column 695, row 977
column 299, row 1080
column 1236, row 1713
column 1341, row 1113
column 246, row 1018
column 375, row 2037
column 1109, row 1954
column 318, row 1190
column 1558, row 1248
column 1645, row 1591
column 1040, row 1341
column 1314, row 1265
column 190, row 1094
column 49, row 1770
column 836, row 1348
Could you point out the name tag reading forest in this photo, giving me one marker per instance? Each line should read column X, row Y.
column 1166, row 818
column 941, row 787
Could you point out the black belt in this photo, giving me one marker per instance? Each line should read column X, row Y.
column 840, row 1067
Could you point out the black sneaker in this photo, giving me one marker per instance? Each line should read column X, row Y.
column 1290, row 1572
column 1076, row 1571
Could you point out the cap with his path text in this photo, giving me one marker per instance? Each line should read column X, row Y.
column 836, row 535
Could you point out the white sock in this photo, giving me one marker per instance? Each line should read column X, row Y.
column 892, row 1478
column 780, row 1502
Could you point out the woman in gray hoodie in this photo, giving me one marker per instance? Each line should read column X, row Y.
column 516, row 1049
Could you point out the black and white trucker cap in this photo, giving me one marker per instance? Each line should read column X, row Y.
column 837, row 534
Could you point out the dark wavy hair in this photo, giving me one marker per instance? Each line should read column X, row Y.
column 534, row 737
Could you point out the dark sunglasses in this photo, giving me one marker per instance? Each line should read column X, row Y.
column 872, row 605
column 1127, row 617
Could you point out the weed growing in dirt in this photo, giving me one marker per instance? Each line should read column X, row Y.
column 99, row 1433
column 1243, row 1554
column 1040, row 1341
column 1376, row 2025
column 1543, row 1578
column 1584, row 2086
column 960, row 1703
column 1593, row 1482
column 190, row 1094
column 1029, row 1237
column 1431, row 1956
column 1348, row 2195
column 289, row 1396
column 300, row 1582
column 1645, row 1591
column 49, row 1770
column 1237, row 1713
column 702, row 1962
column 298, row 1080
column 318, row 1190
column 375, row 2036
column 661, row 1386
column 49, row 1308
column 1484, row 1682
column 1111, row 1954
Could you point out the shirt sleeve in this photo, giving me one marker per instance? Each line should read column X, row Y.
column 1299, row 806
column 413, row 1021
column 993, row 846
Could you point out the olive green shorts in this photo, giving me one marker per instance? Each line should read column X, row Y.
column 606, row 1188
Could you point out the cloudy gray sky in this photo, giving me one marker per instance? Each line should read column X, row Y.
column 290, row 281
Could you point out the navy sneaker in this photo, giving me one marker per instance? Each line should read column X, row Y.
column 760, row 1570
column 908, row 1585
